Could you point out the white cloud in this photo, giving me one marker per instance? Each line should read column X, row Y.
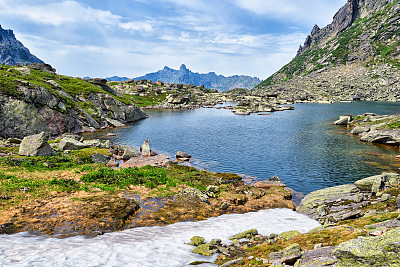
column 309, row 11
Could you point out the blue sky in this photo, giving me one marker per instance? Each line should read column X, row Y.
column 101, row 38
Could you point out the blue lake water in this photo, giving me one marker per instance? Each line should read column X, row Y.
column 302, row 147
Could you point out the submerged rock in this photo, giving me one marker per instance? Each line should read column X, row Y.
column 383, row 250
column 36, row 145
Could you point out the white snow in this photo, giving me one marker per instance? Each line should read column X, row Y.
column 145, row 246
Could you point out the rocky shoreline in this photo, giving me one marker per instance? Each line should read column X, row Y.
column 71, row 186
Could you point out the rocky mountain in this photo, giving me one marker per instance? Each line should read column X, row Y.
column 35, row 99
column 13, row 52
column 209, row 80
column 357, row 56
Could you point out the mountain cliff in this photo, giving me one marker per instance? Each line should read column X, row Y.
column 356, row 56
column 13, row 52
column 209, row 80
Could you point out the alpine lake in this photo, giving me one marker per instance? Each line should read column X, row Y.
column 302, row 147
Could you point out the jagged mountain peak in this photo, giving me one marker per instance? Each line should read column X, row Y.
column 209, row 80
column 13, row 52
column 357, row 54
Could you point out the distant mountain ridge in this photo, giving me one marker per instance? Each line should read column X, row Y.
column 13, row 52
column 209, row 80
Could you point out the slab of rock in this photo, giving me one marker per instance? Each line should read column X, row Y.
column 321, row 257
column 332, row 199
column 287, row 256
column 36, row 145
column 246, row 234
column 129, row 152
column 383, row 250
column 378, row 183
column 271, row 182
column 100, row 158
column 115, row 123
column 156, row 161
column 386, row 224
column 344, row 215
column 71, row 144
column 344, row 120
column 145, row 148
column 98, row 143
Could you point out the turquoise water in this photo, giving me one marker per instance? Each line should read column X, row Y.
column 302, row 147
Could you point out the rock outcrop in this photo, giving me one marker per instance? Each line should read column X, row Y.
column 342, row 202
column 36, row 145
column 55, row 104
column 383, row 250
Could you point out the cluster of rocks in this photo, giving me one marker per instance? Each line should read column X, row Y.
column 38, row 145
column 373, row 128
column 334, row 204
column 256, row 104
column 170, row 96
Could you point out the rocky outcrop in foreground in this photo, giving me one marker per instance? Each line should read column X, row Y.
column 361, row 227
column 373, row 128
column 35, row 99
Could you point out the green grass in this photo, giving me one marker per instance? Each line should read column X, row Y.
column 146, row 101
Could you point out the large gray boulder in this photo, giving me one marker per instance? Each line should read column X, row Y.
column 383, row 250
column 71, row 144
column 320, row 203
column 36, row 145
column 321, row 257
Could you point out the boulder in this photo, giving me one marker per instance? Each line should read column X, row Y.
column 288, row 235
column 378, row 183
column 100, row 158
column 196, row 241
column 271, row 182
column 157, row 161
column 287, row 256
column 145, row 149
column 332, row 200
column 129, row 152
column 321, row 257
column 182, row 155
column 36, row 145
column 344, row 120
column 390, row 137
column 246, row 234
column 383, row 250
column 107, row 144
column 71, row 144
column 42, row 66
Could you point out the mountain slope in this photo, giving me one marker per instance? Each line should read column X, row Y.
column 13, row 52
column 356, row 56
column 209, row 80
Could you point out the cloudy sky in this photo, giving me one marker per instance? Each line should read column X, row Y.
column 102, row 38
